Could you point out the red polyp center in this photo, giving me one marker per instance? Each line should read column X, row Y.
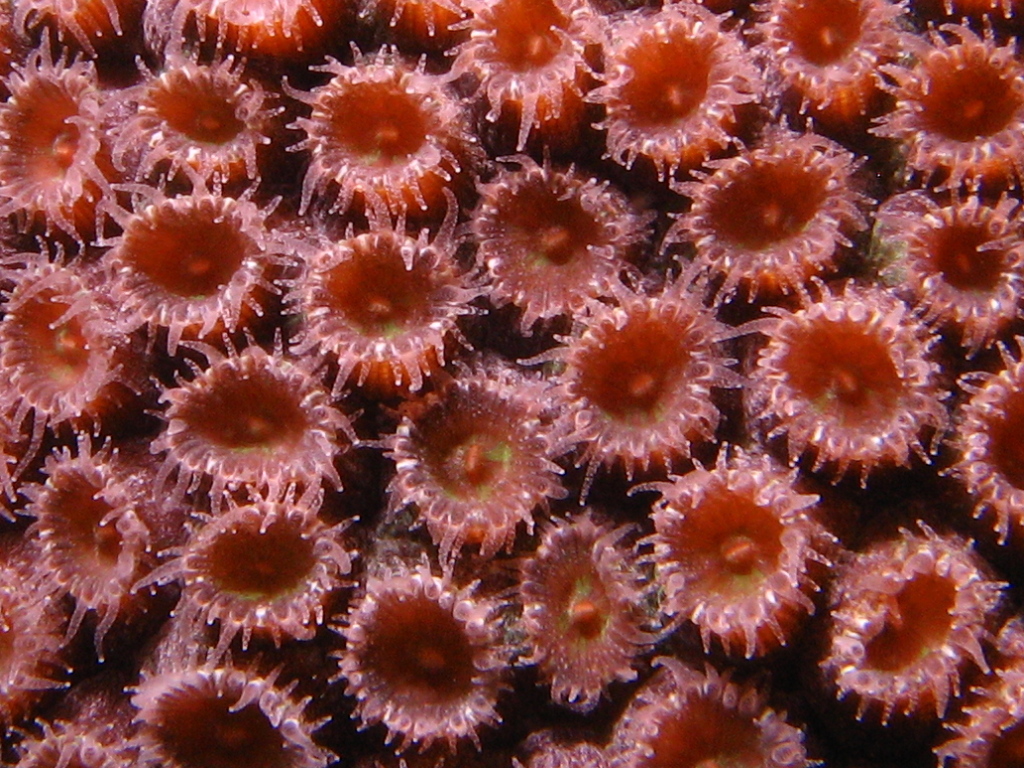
column 630, row 373
column 702, row 734
column 662, row 91
column 195, row 728
column 72, row 513
column 766, row 202
column 579, row 596
column 823, row 31
column 190, row 251
column 918, row 625
column 245, row 412
column 65, row 146
column 1008, row 748
column 259, row 565
column 586, row 618
column 726, row 541
column 1006, row 447
column 373, row 290
column 418, row 651
column 197, row 108
column 60, row 351
column 739, row 553
column 841, row 368
column 52, row 139
column 377, row 121
column 545, row 228
column 471, row 463
column 954, row 252
column 966, row 103
column 523, row 35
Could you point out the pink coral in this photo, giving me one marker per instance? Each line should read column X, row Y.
column 424, row 658
column 194, row 266
column 477, row 460
column 825, row 54
column 221, row 717
column 736, row 549
column 32, row 657
column 959, row 110
column 90, row 528
column 582, row 597
column 383, row 138
column 528, row 58
column 383, row 306
column 774, row 216
column 207, row 120
column 251, row 419
column 59, row 345
column 265, row 568
column 909, row 618
column 675, row 117
column 848, row 378
column 987, row 436
column 549, row 240
column 962, row 264
column 637, row 376
column 685, row 717
column 53, row 168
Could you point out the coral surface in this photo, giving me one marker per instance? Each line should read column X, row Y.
column 502, row 383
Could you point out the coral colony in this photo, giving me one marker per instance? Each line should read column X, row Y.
column 511, row 383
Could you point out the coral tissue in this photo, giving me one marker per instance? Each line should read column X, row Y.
column 511, row 383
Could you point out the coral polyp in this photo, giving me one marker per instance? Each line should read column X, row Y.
column 268, row 30
column 990, row 733
column 263, row 569
column 12, row 44
column 638, row 378
column 31, row 646
column 433, row 383
column 58, row 347
column 202, row 119
column 12, row 462
column 424, row 658
column 193, row 266
column 582, row 597
column 528, row 58
column 90, row 530
column 960, row 110
column 682, row 717
column 550, row 240
column 962, row 264
column 221, row 717
column 477, row 459
column 251, row 419
column 735, row 551
column 383, row 138
column 68, row 745
column 987, row 438
column 675, row 117
column 383, row 306
column 909, row 619
column 429, row 25
column 848, row 379
column 774, row 216
column 826, row 55
column 89, row 25
column 548, row 752
column 52, row 163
